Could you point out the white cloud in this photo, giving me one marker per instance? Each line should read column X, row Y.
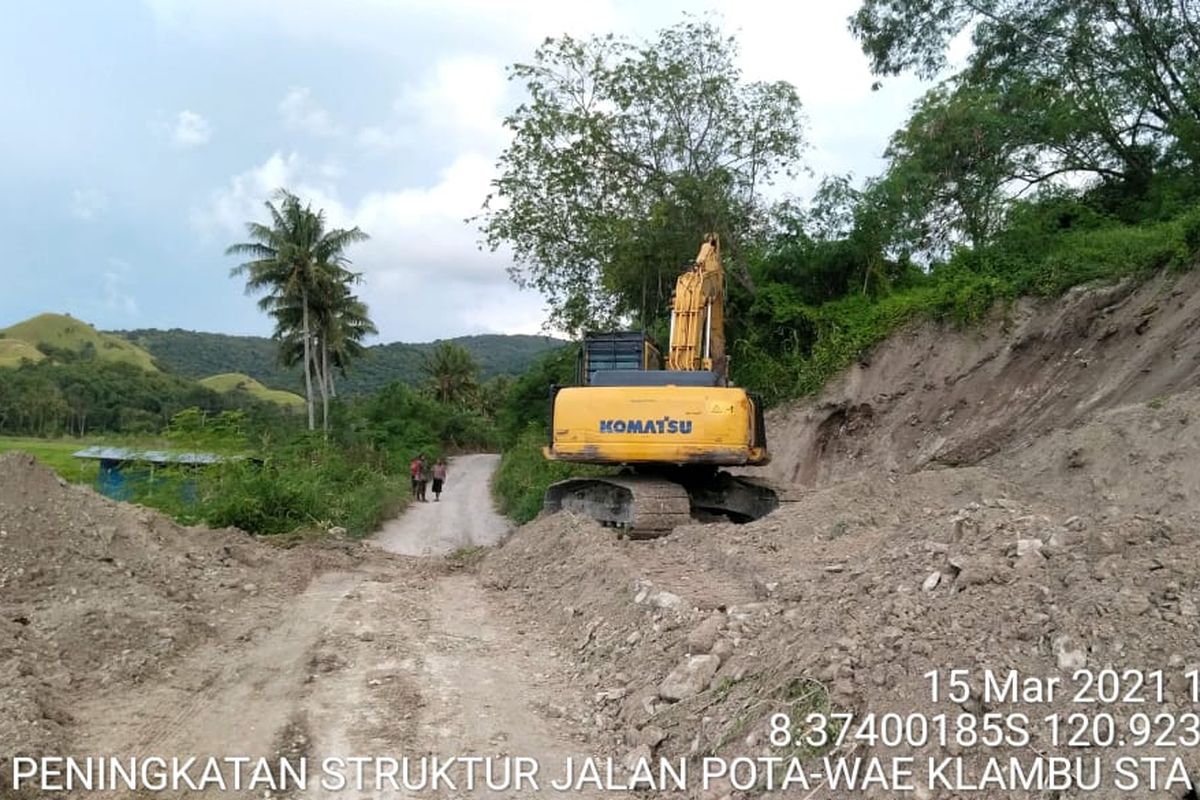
column 301, row 112
column 459, row 103
column 379, row 25
column 87, row 204
column 116, row 294
column 424, row 275
column 191, row 130
column 241, row 199
column 810, row 46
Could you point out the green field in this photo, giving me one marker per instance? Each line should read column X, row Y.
column 68, row 333
column 229, row 381
column 14, row 351
column 56, row 454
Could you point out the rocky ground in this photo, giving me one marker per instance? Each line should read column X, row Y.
column 1022, row 498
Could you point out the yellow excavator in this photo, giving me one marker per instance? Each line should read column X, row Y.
column 670, row 429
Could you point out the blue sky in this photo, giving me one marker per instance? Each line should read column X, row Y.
column 139, row 137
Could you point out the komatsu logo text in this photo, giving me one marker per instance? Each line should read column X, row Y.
column 664, row 425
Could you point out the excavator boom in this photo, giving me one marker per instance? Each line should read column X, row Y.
column 697, row 315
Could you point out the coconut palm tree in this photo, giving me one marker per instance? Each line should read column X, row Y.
column 293, row 259
column 452, row 375
column 339, row 324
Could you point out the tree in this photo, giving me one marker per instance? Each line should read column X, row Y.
column 294, row 260
column 954, row 165
column 339, row 325
column 1109, row 86
column 623, row 157
column 452, row 375
column 493, row 393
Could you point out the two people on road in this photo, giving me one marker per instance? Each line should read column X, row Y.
column 422, row 473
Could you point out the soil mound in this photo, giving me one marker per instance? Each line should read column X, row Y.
column 94, row 594
column 843, row 602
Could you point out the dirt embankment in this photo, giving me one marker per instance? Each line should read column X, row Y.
column 938, row 395
column 98, row 596
column 1022, row 497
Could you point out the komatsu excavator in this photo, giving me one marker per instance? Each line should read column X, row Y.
column 670, row 430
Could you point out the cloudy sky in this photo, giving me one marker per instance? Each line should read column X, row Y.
column 138, row 138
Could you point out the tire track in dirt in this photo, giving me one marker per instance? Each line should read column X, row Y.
column 482, row 682
column 396, row 657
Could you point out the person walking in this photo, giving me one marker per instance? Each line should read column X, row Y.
column 414, row 470
column 439, row 479
column 424, row 482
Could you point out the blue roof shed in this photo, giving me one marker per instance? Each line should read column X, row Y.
column 123, row 468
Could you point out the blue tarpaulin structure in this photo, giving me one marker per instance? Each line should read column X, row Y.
column 123, row 468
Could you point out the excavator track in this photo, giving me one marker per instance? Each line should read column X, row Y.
column 649, row 506
column 641, row 506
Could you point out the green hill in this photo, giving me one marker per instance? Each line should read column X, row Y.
column 196, row 355
column 14, row 351
column 49, row 332
column 231, row 381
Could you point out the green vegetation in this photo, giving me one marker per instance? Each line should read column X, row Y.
column 93, row 396
column 235, row 381
column 56, row 454
column 195, row 355
column 524, row 474
column 1036, row 168
column 284, row 479
column 301, row 268
column 786, row 347
column 61, row 337
column 14, row 352
column 355, row 479
column 624, row 157
column 451, row 375
column 523, row 421
column 305, row 490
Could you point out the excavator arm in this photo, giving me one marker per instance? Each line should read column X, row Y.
column 698, row 315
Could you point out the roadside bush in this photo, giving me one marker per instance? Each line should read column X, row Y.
column 790, row 348
column 524, row 474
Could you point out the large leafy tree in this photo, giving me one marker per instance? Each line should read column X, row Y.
column 1109, row 88
column 623, row 157
column 298, row 262
column 953, row 166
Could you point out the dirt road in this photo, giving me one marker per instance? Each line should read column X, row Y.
column 464, row 516
column 401, row 657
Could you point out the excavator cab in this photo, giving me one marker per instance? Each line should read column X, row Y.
column 615, row 355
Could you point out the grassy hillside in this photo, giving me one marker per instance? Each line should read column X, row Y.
column 14, row 351
column 196, row 355
column 231, row 381
column 61, row 332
